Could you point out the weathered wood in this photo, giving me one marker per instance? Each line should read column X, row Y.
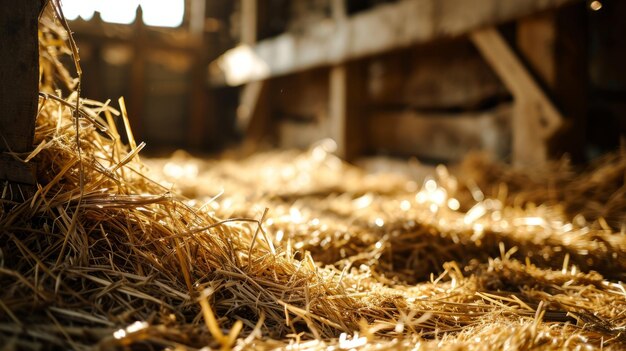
column 554, row 45
column 248, row 21
column 346, row 102
column 301, row 97
column 535, row 119
column 301, row 134
column 338, row 108
column 19, row 85
column 199, row 99
column 16, row 171
column 253, row 114
column 386, row 27
column 137, row 83
column 441, row 136
column 446, row 75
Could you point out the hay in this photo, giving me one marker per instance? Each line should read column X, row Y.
column 104, row 257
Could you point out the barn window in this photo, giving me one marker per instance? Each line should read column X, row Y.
column 157, row 13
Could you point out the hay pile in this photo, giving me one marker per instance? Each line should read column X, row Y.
column 104, row 257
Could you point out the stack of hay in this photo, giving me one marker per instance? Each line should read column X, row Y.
column 104, row 257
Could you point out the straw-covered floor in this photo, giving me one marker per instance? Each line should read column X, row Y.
column 298, row 250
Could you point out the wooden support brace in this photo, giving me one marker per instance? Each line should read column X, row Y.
column 19, row 86
column 535, row 118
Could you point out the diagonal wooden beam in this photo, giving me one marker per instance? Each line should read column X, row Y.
column 535, row 118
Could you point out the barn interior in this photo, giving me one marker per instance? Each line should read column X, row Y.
column 313, row 174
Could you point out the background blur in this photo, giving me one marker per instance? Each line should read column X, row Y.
column 381, row 77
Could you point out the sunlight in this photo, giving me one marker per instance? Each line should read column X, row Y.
column 72, row 9
column 157, row 13
column 163, row 13
column 118, row 11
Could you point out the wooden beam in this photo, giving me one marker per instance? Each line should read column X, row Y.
column 385, row 27
column 535, row 119
column 19, row 86
column 137, row 98
column 441, row 136
column 199, row 99
column 253, row 115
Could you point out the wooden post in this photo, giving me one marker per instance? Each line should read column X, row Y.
column 198, row 98
column 137, row 98
column 554, row 44
column 248, row 21
column 535, row 118
column 337, row 108
column 253, row 112
column 348, row 119
column 346, row 97
column 19, row 86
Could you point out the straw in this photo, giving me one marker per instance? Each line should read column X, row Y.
column 345, row 260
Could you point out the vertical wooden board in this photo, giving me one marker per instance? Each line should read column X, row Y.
column 357, row 112
column 571, row 87
column 337, row 110
column 441, row 136
column 347, row 116
column 199, row 98
column 19, row 73
column 554, row 44
column 248, row 21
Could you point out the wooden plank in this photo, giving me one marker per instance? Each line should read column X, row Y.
column 253, row 114
column 446, row 75
column 441, row 136
column 248, row 21
column 385, row 27
column 301, row 97
column 301, row 135
column 554, row 44
column 19, row 85
column 337, row 108
column 137, row 99
column 16, row 171
column 535, row 119
column 346, row 102
column 199, row 98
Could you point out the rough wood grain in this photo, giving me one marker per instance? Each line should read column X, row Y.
column 346, row 102
column 535, row 118
column 554, row 45
column 441, row 136
column 386, row 27
column 19, row 84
